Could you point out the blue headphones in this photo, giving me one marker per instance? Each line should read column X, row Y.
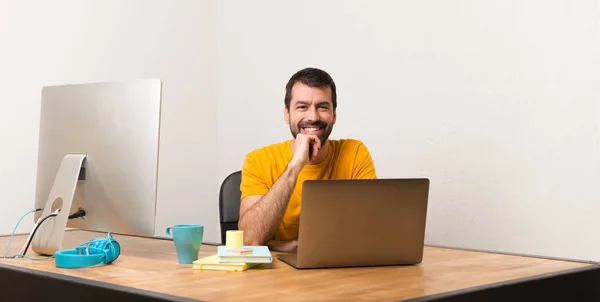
column 93, row 252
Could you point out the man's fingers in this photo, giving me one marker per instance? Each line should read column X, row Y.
column 315, row 145
column 312, row 147
column 314, row 140
column 318, row 142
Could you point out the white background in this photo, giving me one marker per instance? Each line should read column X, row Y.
column 64, row 42
column 494, row 101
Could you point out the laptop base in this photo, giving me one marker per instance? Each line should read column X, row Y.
column 290, row 259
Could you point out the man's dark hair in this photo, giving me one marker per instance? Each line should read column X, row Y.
column 311, row 77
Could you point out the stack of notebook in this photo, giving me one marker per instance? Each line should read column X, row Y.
column 235, row 260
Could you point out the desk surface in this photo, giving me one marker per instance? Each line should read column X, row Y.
column 150, row 264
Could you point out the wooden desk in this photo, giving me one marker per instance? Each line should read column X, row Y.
column 148, row 267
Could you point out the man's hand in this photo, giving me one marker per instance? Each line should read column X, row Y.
column 306, row 148
column 283, row 246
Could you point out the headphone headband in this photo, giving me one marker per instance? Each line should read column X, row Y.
column 93, row 252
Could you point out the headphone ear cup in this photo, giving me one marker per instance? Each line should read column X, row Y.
column 115, row 251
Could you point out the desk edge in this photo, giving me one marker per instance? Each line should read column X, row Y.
column 506, row 283
column 95, row 283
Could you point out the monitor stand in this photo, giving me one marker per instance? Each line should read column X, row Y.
column 49, row 235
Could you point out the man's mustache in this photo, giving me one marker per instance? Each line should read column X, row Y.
column 316, row 124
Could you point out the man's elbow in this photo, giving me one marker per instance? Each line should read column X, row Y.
column 250, row 237
column 253, row 242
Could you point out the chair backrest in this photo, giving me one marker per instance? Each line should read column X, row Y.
column 229, row 203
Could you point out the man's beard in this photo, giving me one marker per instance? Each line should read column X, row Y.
column 317, row 124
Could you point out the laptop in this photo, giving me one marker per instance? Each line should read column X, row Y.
column 360, row 222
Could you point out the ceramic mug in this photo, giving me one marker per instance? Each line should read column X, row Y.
column 188, row 239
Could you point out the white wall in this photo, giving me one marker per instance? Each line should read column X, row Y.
column 494, row 101
column 64, row 42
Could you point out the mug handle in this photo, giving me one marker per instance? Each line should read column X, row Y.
column 168, row 231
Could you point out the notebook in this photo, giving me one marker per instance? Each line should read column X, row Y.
column 212, row 263
column 260, row 254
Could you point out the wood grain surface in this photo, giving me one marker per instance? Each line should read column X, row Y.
column 151, row 264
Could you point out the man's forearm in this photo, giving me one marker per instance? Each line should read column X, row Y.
column 260, row 222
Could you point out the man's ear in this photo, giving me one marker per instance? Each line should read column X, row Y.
column 286, row 115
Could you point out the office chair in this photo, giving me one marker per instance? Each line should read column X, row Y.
column 229, row 203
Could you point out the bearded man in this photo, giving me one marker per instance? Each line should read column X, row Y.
column 272, row 176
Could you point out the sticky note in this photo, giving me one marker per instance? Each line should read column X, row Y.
column 240, row 251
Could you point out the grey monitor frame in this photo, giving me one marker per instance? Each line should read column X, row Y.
column 98, row 150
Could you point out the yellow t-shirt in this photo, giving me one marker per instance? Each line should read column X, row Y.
column 346, row 159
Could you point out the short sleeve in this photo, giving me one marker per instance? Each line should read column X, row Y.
column 253, row 181
column 364, row 167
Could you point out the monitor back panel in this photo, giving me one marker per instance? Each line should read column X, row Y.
column 117, row 125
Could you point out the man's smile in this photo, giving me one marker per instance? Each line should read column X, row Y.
column 312, row 130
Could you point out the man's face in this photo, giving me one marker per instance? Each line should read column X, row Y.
column 311, row 111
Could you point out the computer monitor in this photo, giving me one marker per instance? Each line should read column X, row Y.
column 98, row 151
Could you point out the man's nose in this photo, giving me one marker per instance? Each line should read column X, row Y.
column 312, row 114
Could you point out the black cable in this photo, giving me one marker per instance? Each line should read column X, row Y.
column 79, row 213
column 34, row 230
